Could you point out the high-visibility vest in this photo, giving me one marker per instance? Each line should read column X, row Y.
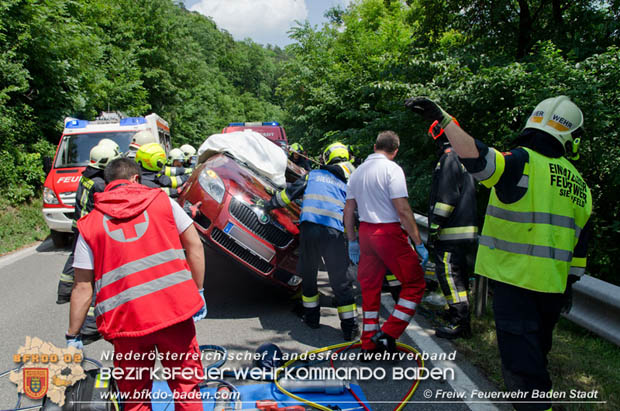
column 530, row 243
column 142, row 280
column 323, row 201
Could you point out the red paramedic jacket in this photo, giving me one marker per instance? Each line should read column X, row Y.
column 142, row 280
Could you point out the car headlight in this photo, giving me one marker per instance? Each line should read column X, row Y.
column 212, row 184
column 49, row 197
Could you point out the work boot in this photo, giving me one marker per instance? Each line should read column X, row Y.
column 350, row 329
column 312, row 316
column 455, row 329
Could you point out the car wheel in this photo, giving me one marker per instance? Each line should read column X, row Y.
column 59, row 238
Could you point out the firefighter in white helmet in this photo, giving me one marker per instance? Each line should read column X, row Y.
column 175, row 166
column 91, row 182
column 190, row 155
column 533, row 242
column 139, row 139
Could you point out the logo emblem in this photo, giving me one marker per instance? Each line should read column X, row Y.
column 126, row 231
column 35, row 382
column 263, row 218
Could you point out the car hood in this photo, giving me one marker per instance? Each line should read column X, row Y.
column 248, row 186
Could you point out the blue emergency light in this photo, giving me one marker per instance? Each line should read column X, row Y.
column 235, row 124
column 271, row 123
column 76, row 123
column 132, row 121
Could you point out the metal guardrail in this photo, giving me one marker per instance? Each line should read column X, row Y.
column 596, row 303
column 596, row 307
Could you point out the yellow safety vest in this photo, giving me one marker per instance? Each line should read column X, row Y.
column 530, row 243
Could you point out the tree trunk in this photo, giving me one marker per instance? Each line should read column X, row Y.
column 524, row 40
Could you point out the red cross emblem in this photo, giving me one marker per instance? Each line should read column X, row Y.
column 126, row 231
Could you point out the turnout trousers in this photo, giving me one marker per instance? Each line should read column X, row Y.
column 180, row 339
column 453, row 266
column 318, row 241
column 383, row 247
column 524, row 323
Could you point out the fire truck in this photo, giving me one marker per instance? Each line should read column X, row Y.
column 72, row 157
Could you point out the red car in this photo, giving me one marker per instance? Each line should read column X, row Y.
column 221, row 196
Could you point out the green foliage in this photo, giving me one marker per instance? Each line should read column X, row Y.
column 21, row 225
column 77, row 58
column 348, row 80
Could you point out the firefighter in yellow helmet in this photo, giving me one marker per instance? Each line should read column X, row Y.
column 533, row 242
column 298, row 156
column 322, row 235
column 152, row 158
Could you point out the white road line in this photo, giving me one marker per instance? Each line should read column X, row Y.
column 18, row 255
column 461, row 382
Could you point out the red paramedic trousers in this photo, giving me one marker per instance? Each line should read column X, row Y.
column 180, row 339
column 382, row 247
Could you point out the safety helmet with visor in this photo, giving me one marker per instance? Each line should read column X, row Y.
column 151, row 156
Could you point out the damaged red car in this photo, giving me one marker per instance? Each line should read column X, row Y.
column 234, row 172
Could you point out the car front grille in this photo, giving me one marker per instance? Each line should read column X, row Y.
column 269, row 231
column 231, row 245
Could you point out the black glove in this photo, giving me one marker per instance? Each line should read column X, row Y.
column 568, row 294
column 263, row 205
column 429, row 110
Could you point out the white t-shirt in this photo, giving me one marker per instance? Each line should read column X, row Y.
column 83, row 256
column 373, row 185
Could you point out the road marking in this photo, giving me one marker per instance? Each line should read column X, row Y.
column 18, row 255
column 461, row 382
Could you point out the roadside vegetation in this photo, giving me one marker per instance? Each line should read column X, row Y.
column 22, row 225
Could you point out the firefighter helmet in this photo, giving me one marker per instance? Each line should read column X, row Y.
column 188, row 150
column 335, row 151
column 296, row 148
column 560, row 118
column 101, row 155
column 111, row 143
column 140, row 138
column 176, row 154
column 151, row 156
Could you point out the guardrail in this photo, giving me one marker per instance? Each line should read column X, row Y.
column 596, row 303
column 596, row 307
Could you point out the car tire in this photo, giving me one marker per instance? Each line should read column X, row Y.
column 59, row 238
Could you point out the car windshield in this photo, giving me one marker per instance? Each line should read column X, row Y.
column 75, row 148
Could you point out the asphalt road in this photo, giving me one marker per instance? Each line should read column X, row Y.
column 243, row 313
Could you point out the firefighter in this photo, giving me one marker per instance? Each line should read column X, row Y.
column 176, row 160
column 378, row 190
column 533, row 241
column 190, row 155
column 322, row 235
column 453, row 233
column 111, row 143
column 91, row 182
column 298, row 156
column 152, row 158
column 130, row 255
column 139, row 139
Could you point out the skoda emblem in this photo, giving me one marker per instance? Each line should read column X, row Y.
column 263, row 218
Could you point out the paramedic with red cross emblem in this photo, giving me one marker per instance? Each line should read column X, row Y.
column 130, row 250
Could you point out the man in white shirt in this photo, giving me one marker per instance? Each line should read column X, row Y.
column 378, row 190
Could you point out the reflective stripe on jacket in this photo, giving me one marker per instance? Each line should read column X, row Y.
column 453, row 200
column 530, row 243
column 323, row 201
column 142, row 280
